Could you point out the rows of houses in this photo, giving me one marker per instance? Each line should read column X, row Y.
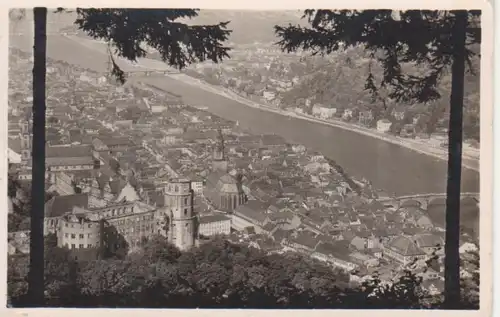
column 360, row 239
column 114, row 162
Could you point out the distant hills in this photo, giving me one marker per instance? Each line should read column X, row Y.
column 248, row 26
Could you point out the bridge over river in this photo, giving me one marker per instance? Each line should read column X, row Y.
column 148, row 73
column 424, row 200
column 388, row 166
column 434, row 204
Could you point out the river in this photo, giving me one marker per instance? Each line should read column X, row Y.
column 390, row 167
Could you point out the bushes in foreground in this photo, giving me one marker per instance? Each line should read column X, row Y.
column 219, row 274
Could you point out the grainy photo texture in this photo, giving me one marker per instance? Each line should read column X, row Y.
column 185, row 158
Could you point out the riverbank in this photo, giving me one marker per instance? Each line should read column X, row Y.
column 469, row 161
column 470, row 157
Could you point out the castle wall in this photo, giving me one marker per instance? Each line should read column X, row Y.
column 78, row 235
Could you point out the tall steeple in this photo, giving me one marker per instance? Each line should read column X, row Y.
column 219, row 161
column 26, row 136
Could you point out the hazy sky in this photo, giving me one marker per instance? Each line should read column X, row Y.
column 260, row 23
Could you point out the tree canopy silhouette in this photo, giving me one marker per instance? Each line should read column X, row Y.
column 129, row 32
column 436, row 41
column 394, row 39
column 126, row 31
column 222, row 274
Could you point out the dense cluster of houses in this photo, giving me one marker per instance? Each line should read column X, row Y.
column 112, row 152
column 266, row 75
column 359, row 236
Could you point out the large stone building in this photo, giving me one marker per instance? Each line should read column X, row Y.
column 222, row 189
column 70, row 159
column 216, row 224
column 58, row 206
column 123, row 225
column 77, row 231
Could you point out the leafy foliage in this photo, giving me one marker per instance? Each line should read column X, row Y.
column 19, row 220
column 17, row 271
column 357, row 74
column 12, row 186
column 15, row 222
column 434, row 41
column 385, row 35
column 103, row 276
column 470, row 284
column 157, row 249
column 59, row 274
column 60, row 271
column 218, row 274
column 130, row 32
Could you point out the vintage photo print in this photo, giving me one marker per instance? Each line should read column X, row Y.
column 248, row 156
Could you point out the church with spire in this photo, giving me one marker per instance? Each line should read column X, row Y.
column 222, row 189
column 219, row 161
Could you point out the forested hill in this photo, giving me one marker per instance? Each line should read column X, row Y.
column 338, row 81
column 343, row 75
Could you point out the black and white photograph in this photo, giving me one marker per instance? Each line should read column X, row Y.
column 185, row 158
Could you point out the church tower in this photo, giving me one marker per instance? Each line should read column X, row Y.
column 219, row 161
column 181, row 220
column 26, row 136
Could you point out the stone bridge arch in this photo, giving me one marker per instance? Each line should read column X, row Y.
column 438, row 200
column 470, row 198
column 423, row 201
column 418, row 201
column 390, row 203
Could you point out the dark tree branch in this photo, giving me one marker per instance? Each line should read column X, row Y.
column 389, row 41
column 179, row 44
column 435, row 41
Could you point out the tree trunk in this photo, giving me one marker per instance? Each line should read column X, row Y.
column 36, row 269
column 452, row 256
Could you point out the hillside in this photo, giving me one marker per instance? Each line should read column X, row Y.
column 339, row 82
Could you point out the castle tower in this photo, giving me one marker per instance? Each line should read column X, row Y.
column 219, row 162
column 181, row 221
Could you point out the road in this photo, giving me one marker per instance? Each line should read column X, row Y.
column 467, row 160
column 389, row 166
